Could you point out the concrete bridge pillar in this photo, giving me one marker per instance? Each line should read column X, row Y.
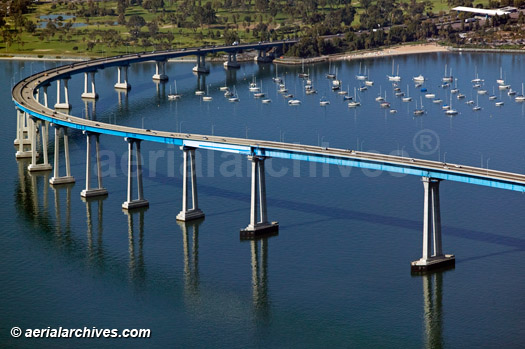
column 160, row 71
column 24, row 138
column 232, row 61
column 45, row 166
column 123, row 85
column 93, row 94
column 44, row 88
column 56, row 179
column 258, row 226
column 201, row 67
column 22, row 130
column 131, row 203
column 91, row 192
column 194, row 213
column 59, row 104
column 262, row 57
column 433, row 256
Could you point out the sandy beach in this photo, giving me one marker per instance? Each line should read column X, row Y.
column 397, row 50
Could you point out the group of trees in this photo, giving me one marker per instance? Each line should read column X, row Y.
column 380, row 22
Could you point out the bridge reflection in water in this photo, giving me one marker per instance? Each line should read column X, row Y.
column 32, row 200
column 433, row 309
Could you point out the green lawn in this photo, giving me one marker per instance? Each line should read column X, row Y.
column 75, row 43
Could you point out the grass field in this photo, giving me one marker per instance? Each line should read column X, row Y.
column 75, row 42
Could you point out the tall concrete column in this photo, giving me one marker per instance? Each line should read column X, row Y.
column 160, row 71
column 45, row 94
column 65, row 105
column 89, row 191
column 25, row 144
column 232, row 63
column 432, row 231
column 259, row 226
column 21, row 130
column 194, row 213
column 57, row 179
column 131, row 203
column 123, row 85
column 93, row 94
column 201, row 65
column 45, row 166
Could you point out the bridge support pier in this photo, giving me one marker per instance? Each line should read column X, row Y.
column 56, row 179
column 232, row 63
column 194, row 213
column 130, row 203
column 22, row 132
column 59, row 104
column 91, row 192
column 258, row 198
column 201, row 67
column 262, row 57
column 160, row 71
column 432, row 221
column 123, row 85
column 93, row 94
column 33, row 124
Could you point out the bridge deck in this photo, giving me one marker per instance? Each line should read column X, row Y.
column 24, row 98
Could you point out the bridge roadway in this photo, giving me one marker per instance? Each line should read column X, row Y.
column 123, row 60
column 24, row 93
column 432, row 172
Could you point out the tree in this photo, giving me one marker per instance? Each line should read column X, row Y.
column 30, row 27
column 134, row 24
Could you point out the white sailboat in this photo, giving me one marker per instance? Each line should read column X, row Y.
column 354, row 103
column 419, row 111
column 207, row 98
column 476, row 80
column 342, row 92
column 360, row 76
column 233, row 96
column 384, row 103
column 477, row 107
column 500, row 81
column 174, row 96
column 379, row 98
column 302, row 74
column 451, row 111
column 259, row 94
column 324, row 102
column 448, row 78
column 330, row 75
column 253, row 86
column 407, row 98
column 394, row 77
column 492, row 96
column 455, row 89
column 520, row 98
column 277, row 79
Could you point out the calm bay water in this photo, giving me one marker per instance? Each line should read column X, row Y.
column 338, row 272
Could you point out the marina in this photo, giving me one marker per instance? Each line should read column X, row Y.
column 208, row 285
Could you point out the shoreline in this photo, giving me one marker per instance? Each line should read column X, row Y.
column 397, row 50
column 363, row 54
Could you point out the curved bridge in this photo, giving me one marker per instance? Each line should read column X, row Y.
column 31, row 112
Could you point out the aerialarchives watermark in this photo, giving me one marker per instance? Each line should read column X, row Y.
column 85, row 332
column 426, row 142
column 168, row 162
